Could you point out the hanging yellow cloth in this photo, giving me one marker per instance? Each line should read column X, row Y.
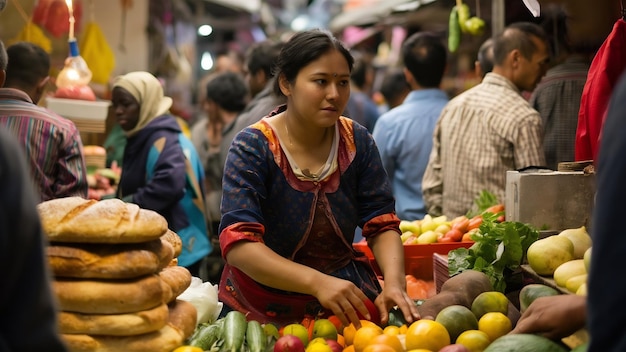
column 33, row 34
column 97, row 53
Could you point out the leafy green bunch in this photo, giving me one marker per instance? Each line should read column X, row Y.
column 498, row 251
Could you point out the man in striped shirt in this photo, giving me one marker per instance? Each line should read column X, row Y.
column 489, row 129
column 51, row 142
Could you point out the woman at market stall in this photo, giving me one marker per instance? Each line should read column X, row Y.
column 296, row 185
column 161, row 170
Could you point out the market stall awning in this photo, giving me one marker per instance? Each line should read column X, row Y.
column 251, row 6
column 374, row 12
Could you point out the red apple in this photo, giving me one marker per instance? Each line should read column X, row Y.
column 288, row 343
column 371, row 308
column 334, row 345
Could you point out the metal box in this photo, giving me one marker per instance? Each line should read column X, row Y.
column 550, row 200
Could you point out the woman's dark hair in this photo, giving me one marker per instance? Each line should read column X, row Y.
column 303, row 48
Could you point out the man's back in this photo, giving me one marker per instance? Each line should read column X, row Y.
column 52, row 143
column 557, row 98
column 487, row 130
column 404, row 135
column 404, row 139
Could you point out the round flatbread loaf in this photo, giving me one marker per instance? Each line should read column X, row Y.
column 125, row 324
column 109, row 296
column 74, row 219
column 181, row 324
column 109, row 261
column 173, row 239
column 176, row 279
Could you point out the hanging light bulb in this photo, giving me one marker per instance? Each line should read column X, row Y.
column 75, row 72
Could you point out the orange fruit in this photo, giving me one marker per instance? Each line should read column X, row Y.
column 403, row 329
column 188, row 349
column 390, row 340
column 391, row 330
column 495, row 324
column 341, row 340
column 324, row 328
column 474, row 340
column 456, row 319
column 491, row 301
column 427, row 334
column 350, row 330
column 349, row 348
column 364, row 336
column 378, row 347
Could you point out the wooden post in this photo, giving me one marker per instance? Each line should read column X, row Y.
column 497, row 17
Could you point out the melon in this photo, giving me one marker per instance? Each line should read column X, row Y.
column 568, row 270
column 545, row 255
column 524, row 343
column 456, row 319
column 531, row 292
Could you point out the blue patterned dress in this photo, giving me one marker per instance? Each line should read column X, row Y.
column 311, row 222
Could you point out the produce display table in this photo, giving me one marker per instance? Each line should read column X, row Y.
column 548, row 281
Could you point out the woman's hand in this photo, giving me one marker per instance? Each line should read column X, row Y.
column 395, row 295
column 345, row 299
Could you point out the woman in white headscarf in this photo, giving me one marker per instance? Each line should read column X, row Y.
column 161, row 169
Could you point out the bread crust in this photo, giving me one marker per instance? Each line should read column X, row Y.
column 125, row 324
column 177, row 280
column 109, row 296
column 108, row 261
column 74, row 219
column 173, row 239
column 180, row 325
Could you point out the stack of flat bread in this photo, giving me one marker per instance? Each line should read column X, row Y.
column 116, row 276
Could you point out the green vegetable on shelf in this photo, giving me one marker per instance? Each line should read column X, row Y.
column 498, row 250
column 454, row 30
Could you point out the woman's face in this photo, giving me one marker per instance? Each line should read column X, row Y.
column 321, row 89
column 126, row 108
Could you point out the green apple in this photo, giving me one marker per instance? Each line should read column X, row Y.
column 443, row 228
column 440, row 220
column 410, row 226
column 406, row 235
column 428, row 237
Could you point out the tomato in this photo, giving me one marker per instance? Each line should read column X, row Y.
column 475, row 222
column 454, row 234
column 445, row 239
column 461, row 225
column 495, row 209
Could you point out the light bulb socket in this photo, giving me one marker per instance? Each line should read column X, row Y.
column 73, row 48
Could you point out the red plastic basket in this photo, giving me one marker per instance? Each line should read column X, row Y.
column 418, row 258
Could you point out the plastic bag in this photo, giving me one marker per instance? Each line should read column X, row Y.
column 97, row 53
column 54, row 16
column 32, row 33
column 203, row 296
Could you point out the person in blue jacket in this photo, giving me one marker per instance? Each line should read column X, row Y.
column 162, row 171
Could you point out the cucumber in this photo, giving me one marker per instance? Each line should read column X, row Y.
column 207, row 335
column 454, row 30
column 234, row 331
column 255, row 337
column 524, row 343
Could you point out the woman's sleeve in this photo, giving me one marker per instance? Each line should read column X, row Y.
column 243, row 188
column 375, row 197
column 166, row 175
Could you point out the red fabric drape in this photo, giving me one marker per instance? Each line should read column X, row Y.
column 605, row 70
